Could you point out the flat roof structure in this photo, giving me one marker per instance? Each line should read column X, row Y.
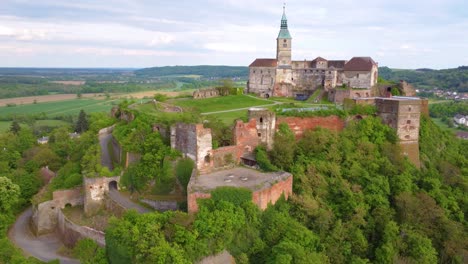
column 237, row 177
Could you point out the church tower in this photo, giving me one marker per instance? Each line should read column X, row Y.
column 283, row 48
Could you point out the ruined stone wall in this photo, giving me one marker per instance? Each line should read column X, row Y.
column 206, row 93
column 114, row 207
column 265, row 123
column 95, row 190
column 338, row 95
column 70, row 233
column 262, row 198
column 184, row 139
column 131, row 158
column 261, row 80
column 246, row 134
column 44, row 216
column 117, row 150
column 226, row 156
column 266, row 196
column 299, row 125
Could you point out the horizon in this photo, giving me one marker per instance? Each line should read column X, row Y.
column 142, row 34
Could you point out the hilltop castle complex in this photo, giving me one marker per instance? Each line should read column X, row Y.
column 284, row 77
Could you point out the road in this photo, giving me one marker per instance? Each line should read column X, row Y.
column 115, row 195
column 43, row 248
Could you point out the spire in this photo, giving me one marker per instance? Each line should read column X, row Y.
column 284, row 32
column 284, row 20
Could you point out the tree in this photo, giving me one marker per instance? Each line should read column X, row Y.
column 82, row 124
column 9, row 195
column 284, row 146
column 15, row 127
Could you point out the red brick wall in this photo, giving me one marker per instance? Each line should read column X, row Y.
column 246, row 134
column 192, row 206
column 269, row 196
column 220, row 155
column 261, row 198
column 300, row 124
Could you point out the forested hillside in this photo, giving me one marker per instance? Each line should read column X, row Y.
column 357, row 200
column 453, row 79
column 203, row 71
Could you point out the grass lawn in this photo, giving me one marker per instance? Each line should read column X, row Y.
column 444, row 126
column 67, row 107
column 51, row 123
column 228, row 118
column 4, row 126
column 220, row 103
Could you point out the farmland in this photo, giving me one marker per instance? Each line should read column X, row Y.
column 59, row 108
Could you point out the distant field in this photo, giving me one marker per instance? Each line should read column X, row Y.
column 221, row 103
column 4, row 126
column 45, row 98
column 67, row 107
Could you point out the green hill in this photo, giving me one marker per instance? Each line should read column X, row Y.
column 453, row 79
column 204, row 71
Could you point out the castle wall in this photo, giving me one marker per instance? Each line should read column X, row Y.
column 226, row 156
column 264, row 197
column 95, row 190
column 70, row 233
column 206, row 93
column 262, row 80
column 44, row 217
column 246, row 134
column 299, row 125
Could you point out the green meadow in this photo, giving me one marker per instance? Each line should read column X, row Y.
column 220, row 103
column 52, row 109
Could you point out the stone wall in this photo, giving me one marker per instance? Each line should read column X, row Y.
column 206, row 93
column 161, row 206
column 195, row 142
column 44, row 217
column 70, row 233
column 271, row 194
column 299, row 125
column 221, row 258
column 261, row 80
column 265, row 123
column 403, row 115
column 226, row 156
column 95, row 190
column 114, row 207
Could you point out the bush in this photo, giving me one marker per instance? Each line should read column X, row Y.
column 183, row 171
column 88, row 252
column 237, row 196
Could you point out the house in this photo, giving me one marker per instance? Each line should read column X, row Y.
column 43, row 140
column 460, row 120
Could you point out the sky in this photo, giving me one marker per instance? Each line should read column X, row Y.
column 406, row 34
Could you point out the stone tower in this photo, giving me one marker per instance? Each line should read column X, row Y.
column 266, row 124
column 284, row 75
column 403, row 114
column 283, row 43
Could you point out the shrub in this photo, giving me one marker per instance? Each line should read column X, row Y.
column 237, row 196
column 183, row 171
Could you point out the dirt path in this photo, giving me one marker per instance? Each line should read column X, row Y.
column 43, row 247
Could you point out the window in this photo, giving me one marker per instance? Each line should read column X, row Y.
column 259, row 134
column 285, row 41
column 285, row 45
column 357, row 75
column 408, row 122
column 254, row 71
column 261, row 119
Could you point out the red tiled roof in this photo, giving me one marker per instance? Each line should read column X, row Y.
column 360, row 64
column 319, row 59
column 264, row 63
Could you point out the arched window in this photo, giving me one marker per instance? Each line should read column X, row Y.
column 261, row 119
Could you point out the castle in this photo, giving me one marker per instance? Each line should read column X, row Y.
column 284, row 77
